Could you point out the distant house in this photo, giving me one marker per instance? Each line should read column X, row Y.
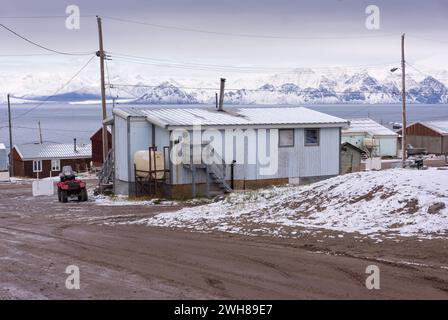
column 97, row 146
column 351, row 157
column 3, row 158
column 369, row 135
column 47, row 159
column 306, row 143
column 429, row 135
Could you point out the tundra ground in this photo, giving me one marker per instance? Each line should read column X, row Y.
column 40, row 237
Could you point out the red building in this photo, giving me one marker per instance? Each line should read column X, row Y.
column 47, row 159
column 97, row 146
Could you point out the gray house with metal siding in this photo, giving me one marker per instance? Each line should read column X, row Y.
column 241, row 134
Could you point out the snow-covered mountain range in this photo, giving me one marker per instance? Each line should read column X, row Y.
column 305, row 86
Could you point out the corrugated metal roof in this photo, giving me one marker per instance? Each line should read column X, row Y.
column 366, row 125
column 441, row 126
column 54, row 151
column 233, row 116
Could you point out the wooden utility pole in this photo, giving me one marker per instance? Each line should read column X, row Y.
column 40, row 132
column 403, row 85
column 11, row 158
column 102, row 56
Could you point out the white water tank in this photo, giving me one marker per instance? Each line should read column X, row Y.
column 370, row 143
column 141, row 161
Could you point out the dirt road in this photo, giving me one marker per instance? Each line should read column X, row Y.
column 40, row 237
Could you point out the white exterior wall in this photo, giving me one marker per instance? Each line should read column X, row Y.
column 121, row 150
column 3, row 160
column 388, row 146
column 293, row 162
column 322, row 160
column 130, row 136
column 298, row 161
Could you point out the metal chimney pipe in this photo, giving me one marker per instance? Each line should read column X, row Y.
column 74, row 145
column 221, row 95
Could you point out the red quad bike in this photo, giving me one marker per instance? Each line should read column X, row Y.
column 70, row 187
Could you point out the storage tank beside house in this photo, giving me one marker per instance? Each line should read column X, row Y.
column 141, row 161
column 3, row 158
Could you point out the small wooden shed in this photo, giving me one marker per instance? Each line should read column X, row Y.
column 351, row 157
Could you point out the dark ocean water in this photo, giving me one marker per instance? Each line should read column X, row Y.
column 63, row 122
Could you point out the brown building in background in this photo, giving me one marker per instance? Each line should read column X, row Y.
column 429, row 135
column 47, row 159
column 97, row 146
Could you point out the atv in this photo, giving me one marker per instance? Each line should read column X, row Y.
column 70, row 187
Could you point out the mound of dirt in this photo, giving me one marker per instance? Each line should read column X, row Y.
column 393, row 202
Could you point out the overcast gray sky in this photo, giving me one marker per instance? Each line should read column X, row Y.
column 297, row 34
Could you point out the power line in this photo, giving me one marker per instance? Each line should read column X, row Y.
column 428, row 39
column 244, row 35
column 44, row 17
column 41, row 46
column 47, row 129
column 57, row 91
column 195, row 65
column 217, row 68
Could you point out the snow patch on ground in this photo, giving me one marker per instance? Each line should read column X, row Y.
column 396, row 202
column 119, row 200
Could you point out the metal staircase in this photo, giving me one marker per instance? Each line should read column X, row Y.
column 215, row 173
column 106, row 175
column 218, row 177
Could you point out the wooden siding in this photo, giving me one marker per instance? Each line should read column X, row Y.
column 420, row 130
column 97, row 146
column 25, row 168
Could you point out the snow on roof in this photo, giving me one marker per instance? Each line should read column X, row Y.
column 2, row 146
column 439, row 126
column 366, row 125
column 248, row 116
column 54, row 151
column 109, row 129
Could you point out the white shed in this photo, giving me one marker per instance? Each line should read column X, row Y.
column 363, row 132
column 250, row 147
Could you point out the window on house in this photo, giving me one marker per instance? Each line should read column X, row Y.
column 311, row 137
column 286, row 138
column 37, row 165
column 55, row 165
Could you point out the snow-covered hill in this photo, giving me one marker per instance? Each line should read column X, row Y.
column 303, row 86
column 396, row 202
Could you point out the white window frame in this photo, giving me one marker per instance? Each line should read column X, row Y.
column 56, row 167
column 37, row 168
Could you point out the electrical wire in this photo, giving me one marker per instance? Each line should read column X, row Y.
column 57, row 91
column 41, row 46
column 173, row 63
column 244, row 35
